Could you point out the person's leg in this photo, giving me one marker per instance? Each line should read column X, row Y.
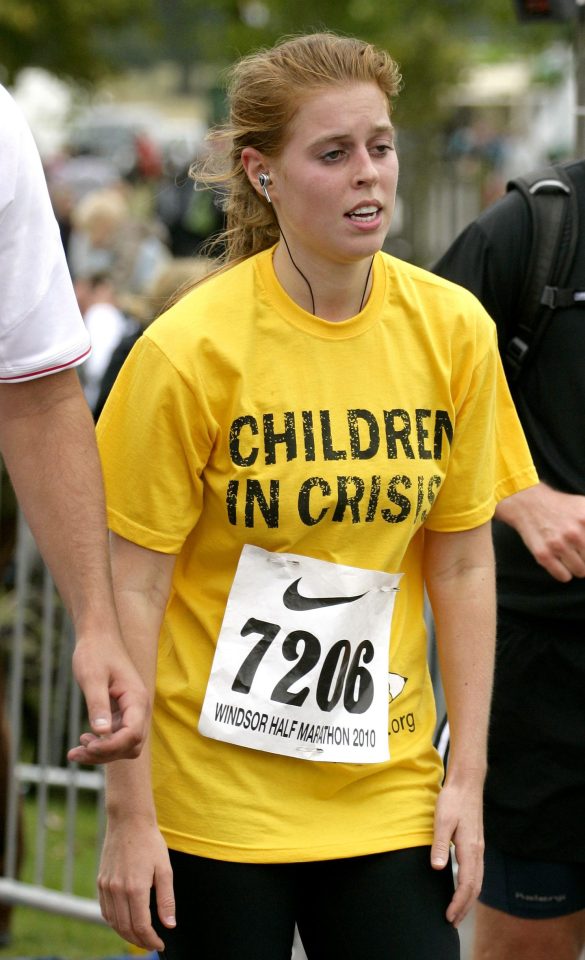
column 535, row 786
column 529, row 910
column 388, row 906
column 229, row 911
column 501, row 937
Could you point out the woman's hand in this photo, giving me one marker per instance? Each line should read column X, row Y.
column 459, row 819
column 134, row 860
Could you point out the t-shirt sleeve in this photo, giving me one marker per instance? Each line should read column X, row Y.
column 489, row 457
column 41, row 328
column 154, row 435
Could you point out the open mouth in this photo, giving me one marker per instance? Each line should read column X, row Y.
column 364, row 214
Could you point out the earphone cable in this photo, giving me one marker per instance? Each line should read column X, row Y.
column 298, row 269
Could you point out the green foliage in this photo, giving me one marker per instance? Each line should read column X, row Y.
column 434, row 41
column 429, row 38
column 63, row 36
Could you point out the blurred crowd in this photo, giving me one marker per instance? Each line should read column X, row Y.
column 133, row 234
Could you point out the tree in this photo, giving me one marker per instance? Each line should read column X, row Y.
column 429, row 38
column 65, row 37
column 434, row 41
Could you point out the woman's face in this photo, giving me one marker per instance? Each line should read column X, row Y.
column 334, row 184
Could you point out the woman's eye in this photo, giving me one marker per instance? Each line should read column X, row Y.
column 332, row 155
column 383, row 148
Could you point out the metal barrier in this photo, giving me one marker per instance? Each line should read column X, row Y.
column 39, row 665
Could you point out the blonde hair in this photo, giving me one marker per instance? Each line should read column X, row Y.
column 265, row 91
column 175, row 278
column 104, row 207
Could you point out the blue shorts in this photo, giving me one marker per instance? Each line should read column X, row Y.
column 533, row 889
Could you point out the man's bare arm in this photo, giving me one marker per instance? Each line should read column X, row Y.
column 48, row 443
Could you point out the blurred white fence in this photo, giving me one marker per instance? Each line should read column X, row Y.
column 42, row 715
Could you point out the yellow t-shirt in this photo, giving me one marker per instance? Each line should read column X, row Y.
column 241, row 419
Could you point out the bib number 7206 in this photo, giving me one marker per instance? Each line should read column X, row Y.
column 340, row 675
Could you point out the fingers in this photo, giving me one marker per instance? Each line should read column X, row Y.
column 556, row 568
column 444, row 828
column 467, row 835
column 81, row 754
column 552, row 525
column 121, row 735
column 130, row 727
column 561, row 561
column 97, row 699
column 126, row 908
column 94, row 678
column 165, row 900
column 130, row 917
column 117, row 701
column 124, row 744
column 469, row 880
column 467, row 890
column 440, row 853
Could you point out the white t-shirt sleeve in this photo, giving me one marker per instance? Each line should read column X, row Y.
column 41, row 328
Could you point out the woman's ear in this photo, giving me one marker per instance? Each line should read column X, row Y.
column 254, row 163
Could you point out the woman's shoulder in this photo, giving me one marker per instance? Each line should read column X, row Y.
column 442, row 296
column 211, row 306
column 426, row 279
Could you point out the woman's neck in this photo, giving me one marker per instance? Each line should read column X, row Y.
column 331, row 292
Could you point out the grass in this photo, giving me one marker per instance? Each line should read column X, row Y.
column 37, row 933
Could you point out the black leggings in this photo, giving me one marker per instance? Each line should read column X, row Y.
column 385, row 906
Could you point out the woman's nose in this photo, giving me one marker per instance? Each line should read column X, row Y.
column 365, row 170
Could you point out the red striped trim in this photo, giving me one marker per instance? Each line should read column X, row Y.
column 40, row 373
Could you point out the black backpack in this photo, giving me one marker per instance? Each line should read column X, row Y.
column 552, row 201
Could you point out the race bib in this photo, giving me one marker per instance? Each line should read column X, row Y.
column 301, row 664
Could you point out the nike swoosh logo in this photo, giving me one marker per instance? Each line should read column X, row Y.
column 293, row 600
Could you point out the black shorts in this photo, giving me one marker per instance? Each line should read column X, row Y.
column 376, row 907
column 532, row 889
column 535, row 787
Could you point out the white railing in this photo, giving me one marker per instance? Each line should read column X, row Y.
column 41, row 645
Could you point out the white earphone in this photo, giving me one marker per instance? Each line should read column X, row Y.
column 264, row 180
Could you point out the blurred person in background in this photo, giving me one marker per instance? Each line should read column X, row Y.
column 176, row 274
column 107, row 324
column 191, row 214
column 532, row 904
column 106, row 237
column 70, row 177
column 48, row 444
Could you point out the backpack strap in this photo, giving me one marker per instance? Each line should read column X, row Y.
column 552, row 202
